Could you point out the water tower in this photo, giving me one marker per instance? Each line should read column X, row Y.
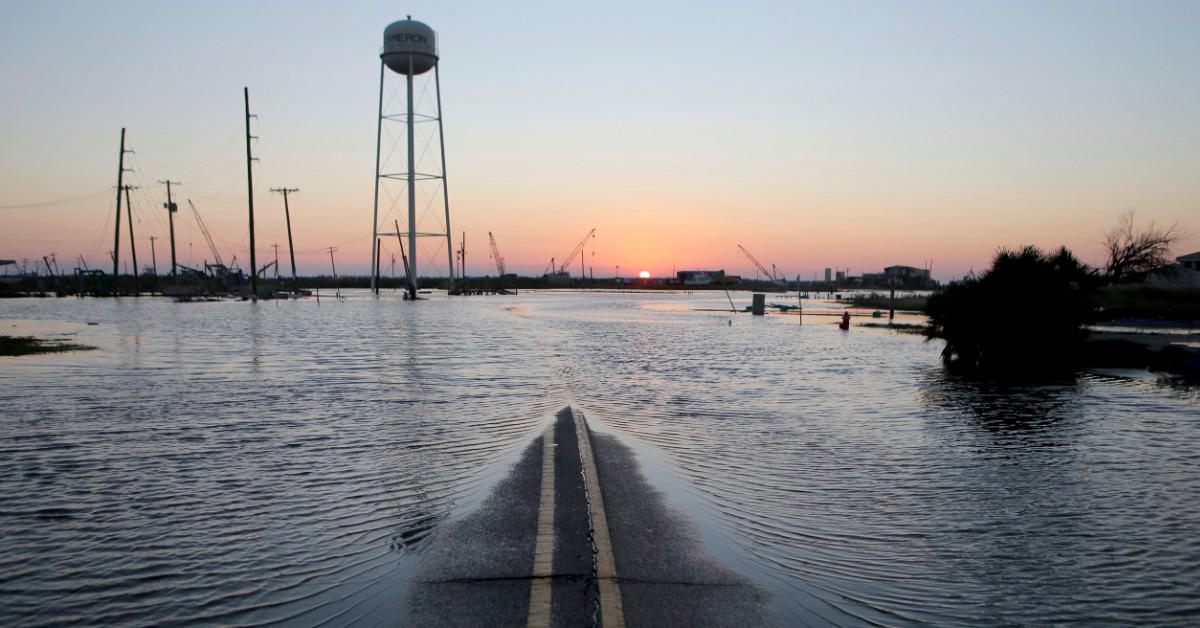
column 410, row 50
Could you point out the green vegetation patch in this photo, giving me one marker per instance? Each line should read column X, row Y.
column 27, row 345
column 900, row 328
column 1148, row 302
column 884, row 302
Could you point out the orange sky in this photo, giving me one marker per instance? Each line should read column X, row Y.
column 838, row 137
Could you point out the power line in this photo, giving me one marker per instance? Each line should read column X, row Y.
column 60, row 201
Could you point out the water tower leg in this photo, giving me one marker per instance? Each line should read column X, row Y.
column 375, row 210
column 412, row 191
column 437, row 84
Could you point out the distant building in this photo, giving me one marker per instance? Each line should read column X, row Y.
column 828, row 275
column 6, row 278
column 558, row 278
column 906, row 273
column 841, row 275
column 700, row 277
column 908, row 277
column 1184, row 272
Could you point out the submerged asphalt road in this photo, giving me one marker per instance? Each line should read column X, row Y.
column 575, row 536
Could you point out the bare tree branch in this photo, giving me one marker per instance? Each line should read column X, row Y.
column 1133, row 250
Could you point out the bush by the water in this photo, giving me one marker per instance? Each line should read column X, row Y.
column 1025, row 314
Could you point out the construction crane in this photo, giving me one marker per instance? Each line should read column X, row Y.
column 262, row 272
column 762, row 269
column 575, row 253
column 496, row 255
column 207, row 236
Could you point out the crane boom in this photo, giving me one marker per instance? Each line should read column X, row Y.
column 207, row 236
column 496, row 255
column 575, row 253
column 762, row 269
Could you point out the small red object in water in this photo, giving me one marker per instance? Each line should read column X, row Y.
column 845, row 324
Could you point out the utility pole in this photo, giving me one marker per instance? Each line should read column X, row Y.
column 132, row 242
column 171, row 209
column 892, row 302
column 288, row 215
column 153, row 257
column 250, row 195
column 336, row 284
column 116, row 252
column 799, row 300
column 462, row 269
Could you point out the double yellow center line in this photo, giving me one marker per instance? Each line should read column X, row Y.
column 612, row 614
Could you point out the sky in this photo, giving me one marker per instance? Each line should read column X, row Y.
column 851, row 135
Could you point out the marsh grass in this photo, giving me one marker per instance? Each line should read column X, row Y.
column 28, row 345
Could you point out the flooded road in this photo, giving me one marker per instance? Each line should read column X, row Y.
column 242, row 463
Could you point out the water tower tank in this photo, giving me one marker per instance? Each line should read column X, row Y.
column 409, row 47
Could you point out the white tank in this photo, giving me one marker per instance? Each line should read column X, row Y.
column 409, row 47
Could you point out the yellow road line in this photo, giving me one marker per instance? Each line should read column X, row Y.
column 541, row 585
column 612, row 615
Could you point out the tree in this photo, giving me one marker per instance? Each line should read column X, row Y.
column 1025, row 315
column 1132, row 250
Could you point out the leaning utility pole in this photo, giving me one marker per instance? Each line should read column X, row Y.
column 171, row 209
column 116, row 253
column 250, row 196
column 337, row 285
column 288, row 215
column 153, row 257
column 132, row 242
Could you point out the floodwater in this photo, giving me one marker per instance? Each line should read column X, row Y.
column 246, row 463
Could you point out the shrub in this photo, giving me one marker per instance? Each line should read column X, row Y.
column 1025, row 315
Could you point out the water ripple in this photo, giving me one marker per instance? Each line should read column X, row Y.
column 253, row 463
column 853, row 475
column 249, row 464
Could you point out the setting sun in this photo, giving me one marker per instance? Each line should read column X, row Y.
column 645, row 274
